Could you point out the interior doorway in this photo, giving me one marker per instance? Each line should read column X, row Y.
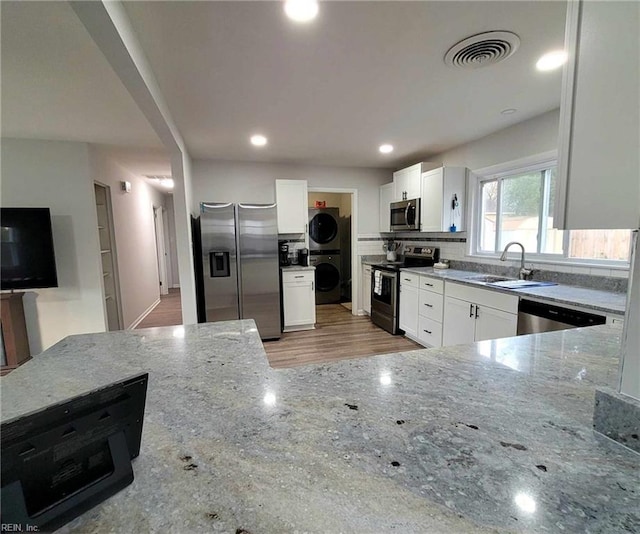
column 108, row 257
column 332, row 222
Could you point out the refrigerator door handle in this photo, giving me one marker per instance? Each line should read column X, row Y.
column 214, row 206
column 256, row 206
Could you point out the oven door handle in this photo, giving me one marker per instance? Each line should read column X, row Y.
column 406, row 215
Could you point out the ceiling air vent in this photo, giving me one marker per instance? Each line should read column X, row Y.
column 482, row 50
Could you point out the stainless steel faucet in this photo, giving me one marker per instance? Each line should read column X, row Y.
column 524, row 273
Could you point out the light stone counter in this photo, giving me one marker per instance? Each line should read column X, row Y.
column 494, row 436
column 286, row 268
column 607, row 302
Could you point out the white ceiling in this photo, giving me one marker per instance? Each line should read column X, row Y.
column 330, row 92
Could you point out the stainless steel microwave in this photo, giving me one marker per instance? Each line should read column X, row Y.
column 405, row 215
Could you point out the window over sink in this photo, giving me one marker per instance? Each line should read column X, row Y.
column 515, row 202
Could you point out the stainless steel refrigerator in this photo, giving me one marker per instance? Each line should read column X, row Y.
column 240, row 274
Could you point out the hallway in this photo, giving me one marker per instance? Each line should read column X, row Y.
column 167, row 313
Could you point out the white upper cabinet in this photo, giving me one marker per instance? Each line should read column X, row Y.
column 292, row 206
column 386, row 198
column 443, row 199
column 598, row 155
column 406, row 182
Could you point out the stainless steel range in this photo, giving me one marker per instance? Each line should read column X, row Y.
column 385, row 285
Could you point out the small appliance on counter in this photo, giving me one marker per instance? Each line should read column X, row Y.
column 303, row 257
column 283, row 254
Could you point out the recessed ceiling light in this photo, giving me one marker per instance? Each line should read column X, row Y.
column 508, row 111
column 552, row 60
column 386, row 149
column 258, row 140
column 301, row 10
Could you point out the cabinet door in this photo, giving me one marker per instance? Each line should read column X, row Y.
column 366, row 288
column 599, row 135
column 299, row 303
column 431, row 206
column 458, row 325
column 413, row 181
column 400, row 184
column 409, row 310
column 292, row 203
column 386, row 198
column 494, row 324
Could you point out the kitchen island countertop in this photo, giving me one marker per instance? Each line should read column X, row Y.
column 493, row 436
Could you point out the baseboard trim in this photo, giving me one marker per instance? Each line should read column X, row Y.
column 143, row 315
column 175, row 286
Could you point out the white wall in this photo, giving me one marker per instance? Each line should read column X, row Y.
column 533, row 136
column 56, row 175
column 173, row 250
column 134, row 232
column 229, row 181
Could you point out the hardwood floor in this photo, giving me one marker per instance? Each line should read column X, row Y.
column 338, row 336
column 167, row 313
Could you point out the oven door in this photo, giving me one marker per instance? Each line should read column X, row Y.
column 384, row 294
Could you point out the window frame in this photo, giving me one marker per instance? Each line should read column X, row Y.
column 498, row 172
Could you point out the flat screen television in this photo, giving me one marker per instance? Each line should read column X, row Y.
column 27, row 259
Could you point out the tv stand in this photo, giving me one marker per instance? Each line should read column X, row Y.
column 14, row 331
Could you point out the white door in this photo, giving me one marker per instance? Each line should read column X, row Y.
column 459, row 322
column 409, row 310
column 160, row 250
column 494, row 324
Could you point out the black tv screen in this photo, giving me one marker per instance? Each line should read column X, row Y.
column 27, row 259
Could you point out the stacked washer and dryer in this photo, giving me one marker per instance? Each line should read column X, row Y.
column 324, row 253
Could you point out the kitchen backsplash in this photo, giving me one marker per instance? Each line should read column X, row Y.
column 453, row 248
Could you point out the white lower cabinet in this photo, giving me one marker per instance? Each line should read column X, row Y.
column 366, row 289
column 299, row 300
column 409, row 303
column 473, row 314
column 421, row 308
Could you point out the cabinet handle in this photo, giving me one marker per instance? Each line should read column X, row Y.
column 312, row 286
column 428, row 305
column 470, row 310
column 407, row 279
column 427, row 331
column 477, row 308
column 300, row 276
column 430, row 285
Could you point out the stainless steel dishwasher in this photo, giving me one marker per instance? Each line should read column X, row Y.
column 535, row 317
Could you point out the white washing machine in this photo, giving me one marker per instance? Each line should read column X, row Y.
column 327, row 277
column 324, row 229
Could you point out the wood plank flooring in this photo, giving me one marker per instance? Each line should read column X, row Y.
column 167, row 313
column 338, row 336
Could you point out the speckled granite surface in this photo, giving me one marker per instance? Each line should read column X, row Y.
column 298, row 268
column 494, row 436
column 604, row 301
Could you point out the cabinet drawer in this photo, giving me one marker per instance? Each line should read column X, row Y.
column 297, row 276
column 430, row 305
column 483, row 297
column 432, row 284
column 409, row 279
column 429, row 332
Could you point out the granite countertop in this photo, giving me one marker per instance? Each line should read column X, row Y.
column 493, row 436
column 298, row 268
column 592, row 299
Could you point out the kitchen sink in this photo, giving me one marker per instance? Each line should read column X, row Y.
column 518, row 284
column 489, row 278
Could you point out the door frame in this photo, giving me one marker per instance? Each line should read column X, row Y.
column 114, row 255
column 161, row 255
column 355, row 272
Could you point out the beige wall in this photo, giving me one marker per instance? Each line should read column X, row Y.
column 342, row 201
column 134, row 232
column 228, row 181
column 56, row 175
